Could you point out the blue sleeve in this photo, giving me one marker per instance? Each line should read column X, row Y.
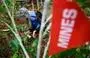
column 38, row 27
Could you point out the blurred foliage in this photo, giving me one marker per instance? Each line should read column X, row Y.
column 85, row 4
column 31, row 43
column 74, row 53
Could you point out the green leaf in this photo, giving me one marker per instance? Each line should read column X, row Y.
column 64, row 54
column 2, row 9
column 35, row 42
column 16, row 55
column 81, row 1
column 8, row 2
column 14, row 45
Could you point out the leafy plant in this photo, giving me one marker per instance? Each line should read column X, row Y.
column 31, row 43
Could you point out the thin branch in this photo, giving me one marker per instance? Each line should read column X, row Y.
column 47, row 29
column 12, row 19
column 32, row 5
column 10, row 28
column 50, row 56
column 48, row 19
column 41, row 2
column 15, row 32
column 38, row 4
column 46, row 48
column 46, row 3
column 13, row 6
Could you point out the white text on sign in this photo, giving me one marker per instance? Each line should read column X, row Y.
column 66, row 27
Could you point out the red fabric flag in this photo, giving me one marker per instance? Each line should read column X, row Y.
column 70, row 27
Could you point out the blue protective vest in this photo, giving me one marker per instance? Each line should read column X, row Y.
column 34, row 21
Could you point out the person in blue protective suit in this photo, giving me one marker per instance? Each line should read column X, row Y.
column 34, row 18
